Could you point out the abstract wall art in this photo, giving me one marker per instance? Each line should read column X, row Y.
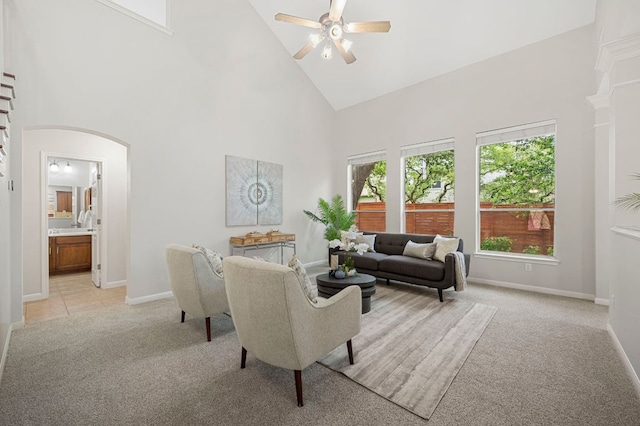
column 254, row 192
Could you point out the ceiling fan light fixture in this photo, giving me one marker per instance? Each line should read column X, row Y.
column 327, row 52
column 346, row 44
column 335, row 31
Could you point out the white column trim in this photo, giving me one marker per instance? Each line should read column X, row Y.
column 601, row 100
column 617, row 50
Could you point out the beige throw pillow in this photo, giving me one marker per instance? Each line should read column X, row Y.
column 309, row 290
column 421, row 251
column 369, row 240
column 214, row 258
column 445, row 246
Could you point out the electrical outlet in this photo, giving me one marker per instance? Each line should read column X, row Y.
column 613, row 301
column 527, row 267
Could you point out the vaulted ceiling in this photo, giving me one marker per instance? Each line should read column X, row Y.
column 427, row 38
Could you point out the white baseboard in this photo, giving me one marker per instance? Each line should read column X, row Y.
column 533, row 288
column 633, row 375
column 114, row 284
column 144, row 299
column 32, row 297
column 3, row 360
column 601, row 301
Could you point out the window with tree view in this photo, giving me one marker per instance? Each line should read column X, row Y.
column 429, row 188
column 517, row 189
column 368, row 196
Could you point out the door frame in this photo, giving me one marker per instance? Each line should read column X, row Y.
column 44, row 224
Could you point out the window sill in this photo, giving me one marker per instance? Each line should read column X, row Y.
column 547, row 260
column 627, row 231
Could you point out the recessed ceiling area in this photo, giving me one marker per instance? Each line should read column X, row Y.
column 427, row 38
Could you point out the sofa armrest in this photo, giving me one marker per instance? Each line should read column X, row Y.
column 449, row 267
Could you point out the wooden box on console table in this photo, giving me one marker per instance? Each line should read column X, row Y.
column 253, row 238
column 249, row 239
column 275, row 237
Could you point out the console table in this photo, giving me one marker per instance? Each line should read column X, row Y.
column 241, row 245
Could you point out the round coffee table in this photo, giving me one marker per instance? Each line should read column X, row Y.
column 328, row 286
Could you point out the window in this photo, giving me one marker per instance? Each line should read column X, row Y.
column 517, row 189
column 428, row 171
column 368, row 176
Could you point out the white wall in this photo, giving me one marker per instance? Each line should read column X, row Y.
column 617, row 103
column 5, row 288
column 68, row 143
column 181, row 102
column 547, row 80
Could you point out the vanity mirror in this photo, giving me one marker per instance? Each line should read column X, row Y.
column 69, row 194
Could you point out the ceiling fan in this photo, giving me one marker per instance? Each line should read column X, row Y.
column 332, row 28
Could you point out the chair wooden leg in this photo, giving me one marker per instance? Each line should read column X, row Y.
column 350, row 350
column 298, row 375
column 182, row 320
column 208, row 322
column 243, row 361
column 440, row 295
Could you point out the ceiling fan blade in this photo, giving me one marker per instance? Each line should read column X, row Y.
column 305, row 49
column 347, row 55
column 337, row 6
column 368, row 27
column 298, row 21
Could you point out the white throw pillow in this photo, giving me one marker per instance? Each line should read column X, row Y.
column 309, row 290
column 369, row 240
column 445, row 246
column 214, row 258
column 421, row 251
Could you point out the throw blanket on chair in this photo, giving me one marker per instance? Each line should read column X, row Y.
column 459, row 266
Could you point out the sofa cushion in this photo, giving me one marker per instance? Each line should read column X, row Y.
column 392, row 243
column 421, row 251
column 445, row 246
column 369, row 240
column 412, row 267
column 368, row 260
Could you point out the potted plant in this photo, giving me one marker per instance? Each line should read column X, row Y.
column 334, row 216
column 630, row 201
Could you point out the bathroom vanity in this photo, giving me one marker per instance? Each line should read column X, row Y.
column 69, row 252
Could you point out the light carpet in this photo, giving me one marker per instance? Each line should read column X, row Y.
column 412, row 346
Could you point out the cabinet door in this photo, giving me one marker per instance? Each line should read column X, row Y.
column 64, row 200
column 73, row 253
column 52, row 252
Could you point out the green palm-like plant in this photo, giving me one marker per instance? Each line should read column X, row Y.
column 334, row 216
column 629, row 201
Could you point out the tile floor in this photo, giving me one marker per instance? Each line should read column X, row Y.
column 72, row 294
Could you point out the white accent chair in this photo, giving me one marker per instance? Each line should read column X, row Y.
column 278, row 324
column 198, row 290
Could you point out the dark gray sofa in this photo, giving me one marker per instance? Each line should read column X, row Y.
column 388, row 262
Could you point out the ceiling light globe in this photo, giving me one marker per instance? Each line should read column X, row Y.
column 335, row 31
column 327, row 52
column 315, row 39
column 54, row 167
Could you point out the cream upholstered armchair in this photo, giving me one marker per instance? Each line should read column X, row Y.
column 198, row 290
column 278, row 324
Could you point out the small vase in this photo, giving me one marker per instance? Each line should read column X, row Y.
column 339, row 274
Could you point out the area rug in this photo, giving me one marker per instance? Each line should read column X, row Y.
column 411, row 346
